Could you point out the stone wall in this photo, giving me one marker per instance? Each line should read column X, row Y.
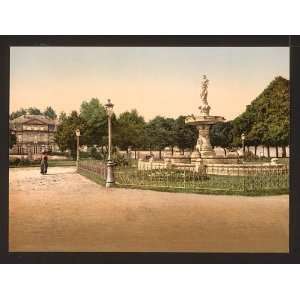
column 218, row 169
column 245, row 169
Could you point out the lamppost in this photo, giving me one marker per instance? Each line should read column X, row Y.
column 35, row 145
column 243, row 137
column 110, row 180
column 77, row 131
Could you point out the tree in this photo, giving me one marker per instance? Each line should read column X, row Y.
column 95, row 117
column 130, row 130
column 65, row 136
column 34, row 111
column 266, row 119
column 221, row 135
column 185, row 135
column 12, row 140
column 18, row 113
column 50, row 113
column 62, row 116
column 160, row 133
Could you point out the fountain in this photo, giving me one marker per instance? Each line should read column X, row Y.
column 203, row 122
column 204, row 157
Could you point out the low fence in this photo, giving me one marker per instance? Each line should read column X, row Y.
column 94, row 167
column 260, row 180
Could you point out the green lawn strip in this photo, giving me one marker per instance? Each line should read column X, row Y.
column 92, row 176
column 51, row 163
column 203, row 190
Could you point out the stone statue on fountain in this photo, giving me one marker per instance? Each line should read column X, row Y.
column 203, row 122
column 204, row 107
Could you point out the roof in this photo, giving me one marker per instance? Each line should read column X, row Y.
column 27, row 118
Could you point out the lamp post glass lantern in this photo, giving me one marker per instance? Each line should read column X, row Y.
column 77, row 148
column 110, row 180
column 243, row 137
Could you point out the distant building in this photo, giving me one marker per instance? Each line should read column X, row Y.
column 34, row 134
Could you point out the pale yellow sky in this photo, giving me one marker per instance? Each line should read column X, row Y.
column 155, row 81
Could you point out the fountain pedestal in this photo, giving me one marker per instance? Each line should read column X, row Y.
column 203, row 147
column 203, row 122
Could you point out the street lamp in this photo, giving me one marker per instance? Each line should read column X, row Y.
column 110, row 180
column 77, row 131
column 243, row 137
column 35, row 144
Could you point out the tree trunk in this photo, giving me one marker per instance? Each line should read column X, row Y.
column 283, row 151
column 183, row 151
column 134, row 154
column 276, row 148
column 255, row 150
column 268, row 151
column 159, row 154
column 225, row 151
column 172, row 150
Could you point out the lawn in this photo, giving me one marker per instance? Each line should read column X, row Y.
column 160, row 180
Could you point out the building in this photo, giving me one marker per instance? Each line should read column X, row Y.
column 34, row 134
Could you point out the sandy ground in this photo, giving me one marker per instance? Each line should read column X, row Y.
column 64, row 211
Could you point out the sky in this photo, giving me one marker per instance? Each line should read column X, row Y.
column 162, row 81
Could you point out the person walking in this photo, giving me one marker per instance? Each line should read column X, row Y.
column 44, row 163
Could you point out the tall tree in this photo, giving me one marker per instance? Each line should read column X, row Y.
column 34, row 111
column 65, row 136
column 18, row 113
column 185, row 135
column 160, row 133
column 130, row 130
column 50, row 113
column 94, row 115
column 221, row 135
column 266, row 120
column 62, row 116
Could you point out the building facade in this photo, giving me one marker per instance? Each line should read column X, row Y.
column 34, row 134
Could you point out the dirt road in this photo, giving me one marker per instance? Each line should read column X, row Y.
column 64, row 211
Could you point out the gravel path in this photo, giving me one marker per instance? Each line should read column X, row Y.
column 63, row 211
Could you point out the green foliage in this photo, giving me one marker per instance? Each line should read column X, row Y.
column 185, row 136
column 62, row 116
column 221, row 135
column 33, row 111
column 12, row 140
column 65, row 136
column 160, row 133
column 50, row 113
column 20, row 112
column 130, row 130
column 19, row 162
column 120, row 159
column 266, row 119
column 264, row 122
column 94, row 115
column 96, row 154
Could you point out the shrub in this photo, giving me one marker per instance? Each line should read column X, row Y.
column 96, row 154
column 250, row 156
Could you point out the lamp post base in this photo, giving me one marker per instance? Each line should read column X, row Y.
column 110, row 179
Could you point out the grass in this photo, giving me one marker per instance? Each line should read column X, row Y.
column 51, row 163
column 92, row 176
column 203, row 190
